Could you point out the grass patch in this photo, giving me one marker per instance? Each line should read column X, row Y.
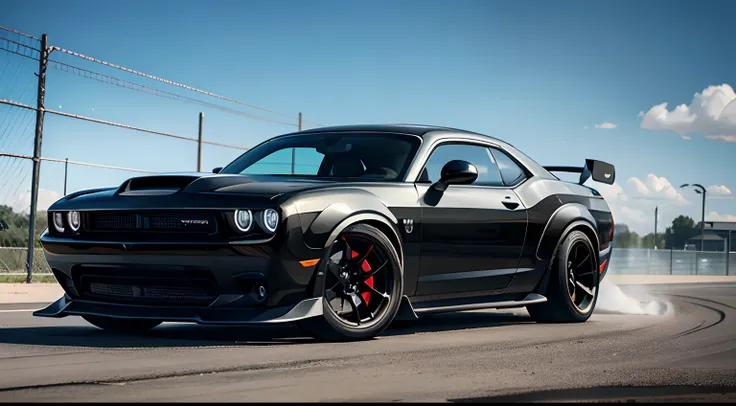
column 22, row 279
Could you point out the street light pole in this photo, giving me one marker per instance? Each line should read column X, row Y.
column 700, row 189
column 656, row 209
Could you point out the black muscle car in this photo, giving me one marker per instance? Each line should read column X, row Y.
column 339, row 229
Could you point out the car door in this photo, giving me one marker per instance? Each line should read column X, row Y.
column 472, row 235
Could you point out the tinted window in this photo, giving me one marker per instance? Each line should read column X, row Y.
column 355, row 156
column 306, row 162
column 477, row 155
column 510, row 170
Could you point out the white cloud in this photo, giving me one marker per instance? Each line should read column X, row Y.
column 623, row 212
column 606, row 126
column 724, row 138
column 712, row 113
column 641, row 114
column 714, row 216
column 657, row 188
column 612, row 193
column 719, row 190
column 687, row 137
column 45, row 199
column 585, row 128
column 634, row 216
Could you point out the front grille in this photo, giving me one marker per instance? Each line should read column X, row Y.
column 150, row 286
column 186, row 222
column 111, row 221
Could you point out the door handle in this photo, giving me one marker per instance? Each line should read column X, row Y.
column 510, row 205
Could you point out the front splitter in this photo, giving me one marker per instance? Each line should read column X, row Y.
column 65, row 306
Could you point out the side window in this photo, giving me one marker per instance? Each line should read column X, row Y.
column 477, row 155
column 510, row 170
column 306, row 162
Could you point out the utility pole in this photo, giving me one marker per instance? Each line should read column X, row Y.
column 199, row 143
column 66, row 172
column 40, row 110
column 656, row 210
column 702, row 225
column 293, row 150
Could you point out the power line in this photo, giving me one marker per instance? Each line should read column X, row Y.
column 19, row 44
column 156, row 78
column 13, row 141
column 129, row 127
column 119, row 168
column 147, row 89
column 88, row 74
column 17, row 188
column 18, row 53
column 11, row 127
column 14, row 170
column 19, row 33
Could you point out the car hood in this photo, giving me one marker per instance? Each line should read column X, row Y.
column 189, row 190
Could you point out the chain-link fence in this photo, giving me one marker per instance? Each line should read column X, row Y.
column 671, row 262
column 13, row 261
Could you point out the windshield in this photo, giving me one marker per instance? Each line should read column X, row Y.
column 380, row 157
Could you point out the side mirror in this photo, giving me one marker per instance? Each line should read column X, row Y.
column 217, row 170
column 456, row 173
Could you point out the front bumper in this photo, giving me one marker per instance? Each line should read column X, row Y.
column 186, row 281
column 202, row 315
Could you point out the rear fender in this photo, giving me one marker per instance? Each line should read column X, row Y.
column 565, row 219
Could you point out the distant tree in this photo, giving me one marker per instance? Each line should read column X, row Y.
column 676, row 236
column 14, row 230
column 624, row 238
column 648, row 241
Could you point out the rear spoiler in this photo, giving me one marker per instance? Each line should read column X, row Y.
column 600, row 171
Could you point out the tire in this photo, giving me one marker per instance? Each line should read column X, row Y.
column 333, row 327
column 561, row 306
column 126, row 326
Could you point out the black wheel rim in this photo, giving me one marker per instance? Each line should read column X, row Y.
column 358, row 281
column 581, row 276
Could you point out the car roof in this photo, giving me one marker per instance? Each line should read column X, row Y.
column 430, row 133
column 413, row 129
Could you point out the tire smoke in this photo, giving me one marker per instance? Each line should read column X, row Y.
column 637, row 300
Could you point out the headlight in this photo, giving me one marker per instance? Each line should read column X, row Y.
column 243, row 220
column 59, row 222
column 74, row 219
column 270, row 220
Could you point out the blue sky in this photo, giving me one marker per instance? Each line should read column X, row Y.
column 540, row 75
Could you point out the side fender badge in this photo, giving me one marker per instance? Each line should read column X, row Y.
column 408, row 225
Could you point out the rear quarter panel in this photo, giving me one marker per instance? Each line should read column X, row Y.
column 552, row 206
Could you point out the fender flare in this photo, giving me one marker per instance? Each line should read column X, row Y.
column 560, row 223
column 549, row 244
column 365, row 217
column 316, row 285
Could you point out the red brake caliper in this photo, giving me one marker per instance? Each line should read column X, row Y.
column 366, row 268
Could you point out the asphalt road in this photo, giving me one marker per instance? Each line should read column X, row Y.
column 688, row 353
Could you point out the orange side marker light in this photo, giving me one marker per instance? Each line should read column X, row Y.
column 309, row 262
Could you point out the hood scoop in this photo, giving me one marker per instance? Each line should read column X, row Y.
column 155, row 185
